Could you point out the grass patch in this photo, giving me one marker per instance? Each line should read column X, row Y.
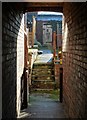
column 53, row 94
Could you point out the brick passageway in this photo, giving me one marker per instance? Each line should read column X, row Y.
column 74, row 57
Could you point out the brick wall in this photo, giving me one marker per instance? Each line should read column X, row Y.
column 13, row 59
column 39, row 31
column 57, row 67
column 0, row 61
column 75, row 59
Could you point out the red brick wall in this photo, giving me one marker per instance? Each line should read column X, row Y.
column 57, row 74
column 75, row 60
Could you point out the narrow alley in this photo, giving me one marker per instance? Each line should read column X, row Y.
column 41, row 104
column 43, row 52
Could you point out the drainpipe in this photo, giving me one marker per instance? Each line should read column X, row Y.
column 54, row 44
column 57, row 35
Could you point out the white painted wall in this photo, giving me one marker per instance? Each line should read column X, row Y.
column 20, row 62
column 47, row 35
column 64, row 35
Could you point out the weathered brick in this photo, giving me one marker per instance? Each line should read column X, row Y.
column 75, row 68
column 12, row 60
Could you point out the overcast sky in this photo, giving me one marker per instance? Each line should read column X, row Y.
column 47, row 13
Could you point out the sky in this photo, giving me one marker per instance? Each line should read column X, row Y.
column 47, row 13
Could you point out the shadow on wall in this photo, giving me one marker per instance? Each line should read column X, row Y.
column 0, row 61
column 12, row 59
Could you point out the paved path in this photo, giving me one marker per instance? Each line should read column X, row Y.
column 45, row 57
column 41, row 106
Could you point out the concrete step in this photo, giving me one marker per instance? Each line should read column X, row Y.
column 42, row 71
column 43, row 77
column 43, row 80
column 43, row 85
column 42, row 66
column 50, row 63
column 37, row 89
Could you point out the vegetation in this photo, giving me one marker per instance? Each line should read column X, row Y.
column 52, row 94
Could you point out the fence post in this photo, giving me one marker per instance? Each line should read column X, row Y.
column 61, row 84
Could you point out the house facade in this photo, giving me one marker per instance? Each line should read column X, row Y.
column 45, row 26
column 42, row 26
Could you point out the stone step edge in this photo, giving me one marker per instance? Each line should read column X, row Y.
column 43, row 69
column 43, row 75
column 34, row 89
column 43, row 80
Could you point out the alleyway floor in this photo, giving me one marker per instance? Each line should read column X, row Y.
column 42, row 106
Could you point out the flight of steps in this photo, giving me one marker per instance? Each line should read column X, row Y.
column 43, row 77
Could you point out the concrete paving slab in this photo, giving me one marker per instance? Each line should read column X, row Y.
column 41, row 106
column 45, row 57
